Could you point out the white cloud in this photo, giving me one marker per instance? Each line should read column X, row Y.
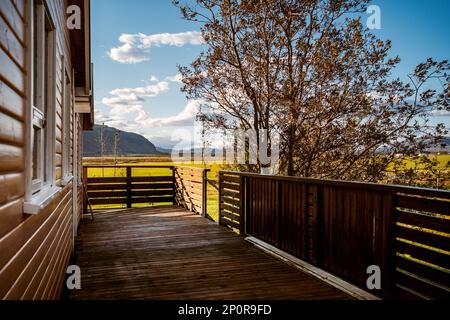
column 184, row 118
column 147, row 91
column 128, row 112
column 126, row 101
column 440, row 113
column 128, row 53
column 134, row 96
column 99, row 116
column 175, row 78
column 123, row 100
column 135, row 47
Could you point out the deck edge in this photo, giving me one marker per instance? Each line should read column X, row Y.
column 313, row 271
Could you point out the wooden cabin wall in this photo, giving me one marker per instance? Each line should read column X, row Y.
column 34, row 249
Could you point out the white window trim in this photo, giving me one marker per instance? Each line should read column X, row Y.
column 68, row 113
column 38, row 121
column 39, row 194
column 40, row 200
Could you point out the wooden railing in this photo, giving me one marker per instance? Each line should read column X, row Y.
column 345, row 227
column 113, row 187
column 190, row 188
column 231, row 201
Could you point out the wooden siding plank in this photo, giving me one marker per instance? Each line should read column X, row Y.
column 11, row 215
column 11, row 44
column 11, row 272
column 11, row 73
column 38, row 259
column 11, row 158
column 10, row 14
column 20, row 6
column 12, row 187
column 37, row 280
column 11, row 244
column 11, row 130
column 10, row 102
column 55, row 271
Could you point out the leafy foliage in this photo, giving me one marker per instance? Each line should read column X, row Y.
column 312, row 72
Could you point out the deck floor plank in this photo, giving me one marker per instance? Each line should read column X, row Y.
column 170, row 253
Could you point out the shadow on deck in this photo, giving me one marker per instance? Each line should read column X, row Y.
column 170, row 253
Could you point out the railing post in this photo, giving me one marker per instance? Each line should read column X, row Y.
column 129, row 200
column 204, row 192
column 242, row 229
column 85, row 177
column 174, row 184
column 388, row 262
column 220, row 197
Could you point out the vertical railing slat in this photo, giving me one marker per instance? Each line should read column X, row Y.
column 129, row 188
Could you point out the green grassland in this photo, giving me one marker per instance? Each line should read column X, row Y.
column 443, row 162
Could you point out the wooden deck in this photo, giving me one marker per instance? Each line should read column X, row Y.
column 170, row 253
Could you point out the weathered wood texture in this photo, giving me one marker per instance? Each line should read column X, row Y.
column 144, row 187
column 34, row 250
column 190, row 188
column 12, row 115
column 345, row 227
column 422, row 248
column 231, row 209
column 170, row 253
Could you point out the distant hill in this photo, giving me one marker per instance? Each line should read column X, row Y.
column 442, row 149
column 130, row 144
column 164, row 150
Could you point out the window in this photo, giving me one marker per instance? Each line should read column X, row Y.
column 66, row 125
column 43, row 100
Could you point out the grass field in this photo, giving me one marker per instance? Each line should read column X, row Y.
column 442, row 162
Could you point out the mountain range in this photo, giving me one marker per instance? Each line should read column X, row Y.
column 132, row 144
column 129, row 144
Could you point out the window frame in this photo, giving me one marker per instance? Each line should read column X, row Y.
column 41, row 62
column 67, row 109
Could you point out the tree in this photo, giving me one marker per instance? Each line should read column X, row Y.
column 312, row 72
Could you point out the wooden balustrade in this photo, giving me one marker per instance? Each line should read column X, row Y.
column 190, row 188
column 112, row 187
column 340, row 227
column 345, row 227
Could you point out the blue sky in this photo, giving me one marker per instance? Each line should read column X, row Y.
column 418, row 30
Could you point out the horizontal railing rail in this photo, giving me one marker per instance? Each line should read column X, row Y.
column 127, row 186
column 111, row 187
column 357, row 184
column 346, row 227
column 125, row 166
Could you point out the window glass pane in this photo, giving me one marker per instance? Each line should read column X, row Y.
column 35, row 147
column 67, row 126
column 45, row 155
column 47, row 71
